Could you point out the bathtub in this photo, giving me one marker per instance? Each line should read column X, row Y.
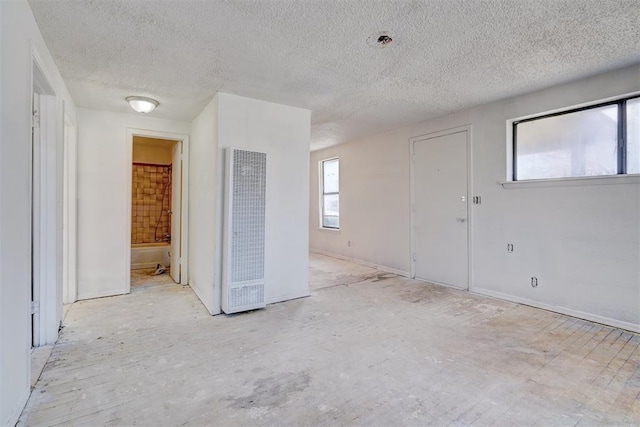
column 148, row 255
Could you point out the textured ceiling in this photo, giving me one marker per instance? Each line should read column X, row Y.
column 446, row 55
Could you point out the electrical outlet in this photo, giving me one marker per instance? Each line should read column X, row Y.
column 510, row 247
column 534, row 282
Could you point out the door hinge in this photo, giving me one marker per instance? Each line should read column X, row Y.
column 413, row 256
column 35, row 122
column 413, row 207
column 35, row 307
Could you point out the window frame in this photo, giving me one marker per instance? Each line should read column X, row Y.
column 621, row 167
column 322, row 193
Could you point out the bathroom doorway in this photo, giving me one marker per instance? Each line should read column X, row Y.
column 157, row 209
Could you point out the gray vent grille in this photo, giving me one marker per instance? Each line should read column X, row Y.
column 249, row 295
column 248, row 204
column 243, row 274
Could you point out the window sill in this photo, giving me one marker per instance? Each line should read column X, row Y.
column 328, row 229
column 574, row 181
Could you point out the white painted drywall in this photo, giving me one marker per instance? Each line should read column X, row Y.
column 102, row 206
column 581, row 242
column 19, row 34
column 374, row 212
column 203, row 205
column 283, row 133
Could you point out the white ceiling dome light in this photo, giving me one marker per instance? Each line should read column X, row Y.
column 142, row 104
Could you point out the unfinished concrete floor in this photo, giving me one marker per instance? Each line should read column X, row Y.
column 366, row 348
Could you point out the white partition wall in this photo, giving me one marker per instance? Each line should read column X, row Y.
column 283, row 134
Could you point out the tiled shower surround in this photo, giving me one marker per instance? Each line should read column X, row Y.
column 149, row 182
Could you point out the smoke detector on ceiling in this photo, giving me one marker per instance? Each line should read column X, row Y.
column 380, row 40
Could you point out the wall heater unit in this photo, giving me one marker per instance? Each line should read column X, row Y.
column 243, row 284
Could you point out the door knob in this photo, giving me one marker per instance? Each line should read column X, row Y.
column 461, row 219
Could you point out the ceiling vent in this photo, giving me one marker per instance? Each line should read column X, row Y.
column 380, row 40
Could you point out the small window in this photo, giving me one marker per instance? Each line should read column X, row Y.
column 330, row 188
column 593, row 141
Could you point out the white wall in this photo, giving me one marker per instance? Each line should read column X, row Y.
column 203, row 205
column 581, row 242
column 283, row 133
column 18, row 35
column 374, row 207
column 103, row 162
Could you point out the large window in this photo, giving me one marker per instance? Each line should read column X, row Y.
column 330, row 188
column 602, row 139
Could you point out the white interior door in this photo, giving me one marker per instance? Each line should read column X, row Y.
column 176, row 210
column 441, row 209
column 46, row 261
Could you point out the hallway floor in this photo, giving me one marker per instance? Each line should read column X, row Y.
column 142, row 279
column 366, row 348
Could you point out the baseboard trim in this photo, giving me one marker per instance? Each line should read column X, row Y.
column 111, row 293
column 506, row 297
column 562, row 310
column 17, row 412
column 361, row 262
column 289, row 297
column 196, row 290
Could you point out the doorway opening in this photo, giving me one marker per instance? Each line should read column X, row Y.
column 45, row 191
column 158, row 213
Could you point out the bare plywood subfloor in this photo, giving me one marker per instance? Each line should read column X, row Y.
column 366, row 348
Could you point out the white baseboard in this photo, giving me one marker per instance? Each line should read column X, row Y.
column 196, row 290
column 562, row 310
column 289, row 297
column 14, row 417
column 276, row 300
column 111, row 293
column 361, row 262
column 557, row 309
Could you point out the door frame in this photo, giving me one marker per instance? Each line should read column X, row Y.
column 46, row 255
column 184, row 209
column 412, row 254
column 70, row 211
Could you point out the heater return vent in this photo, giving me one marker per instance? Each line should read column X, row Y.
column 243, row 277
